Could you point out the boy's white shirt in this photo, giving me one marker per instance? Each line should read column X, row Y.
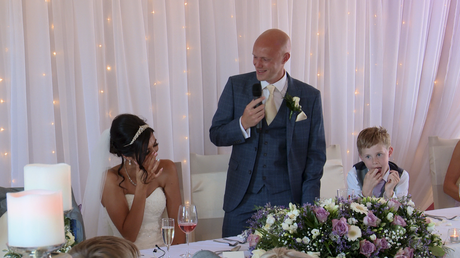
column 401, row 189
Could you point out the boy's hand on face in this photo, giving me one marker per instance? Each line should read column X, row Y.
column 372, row 178
column 393, row 180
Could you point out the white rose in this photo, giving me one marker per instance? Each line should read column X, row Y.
column 257, row 253
column 296, row 101
column 410, row 210
column 298, row 240
column 411, row 203
column 390, row 217
column 288, row 221
column 315, row 233
column 270, row 219
column 306, row 240
column 373, row 237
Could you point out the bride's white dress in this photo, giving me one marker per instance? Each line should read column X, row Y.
column 150, row 232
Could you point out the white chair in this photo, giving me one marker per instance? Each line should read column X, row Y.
column 440, row 152
column 208, row 176
column 333, row 178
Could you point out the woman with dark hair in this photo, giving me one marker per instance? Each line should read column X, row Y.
column 137, row 191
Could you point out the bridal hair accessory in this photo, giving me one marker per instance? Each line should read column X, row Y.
column 141, row 129
column 129, row 162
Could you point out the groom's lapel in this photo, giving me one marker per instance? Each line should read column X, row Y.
column 290, row 122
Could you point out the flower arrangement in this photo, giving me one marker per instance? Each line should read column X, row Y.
column 293, row 104
column 69, row 241
column 353, row 227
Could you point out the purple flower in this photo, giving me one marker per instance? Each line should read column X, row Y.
column 366, row 247
column 371, row 220
column 399, row 221
column 340, row 226
column 405, row 253
column 394, row 204
column 321, row 214
column 381, row 243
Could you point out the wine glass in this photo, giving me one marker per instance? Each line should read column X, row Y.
column 187, row 219
column 167, row 231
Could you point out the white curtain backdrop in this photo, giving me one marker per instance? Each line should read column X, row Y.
column 67, row 68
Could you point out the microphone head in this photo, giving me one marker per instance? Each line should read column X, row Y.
column 257, row 90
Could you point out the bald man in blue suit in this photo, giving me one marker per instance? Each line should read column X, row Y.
column 283, row 162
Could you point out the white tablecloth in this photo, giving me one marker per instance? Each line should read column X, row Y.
column 177, row 250
column 442, row 226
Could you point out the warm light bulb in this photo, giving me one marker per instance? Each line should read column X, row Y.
column 108, row 19
column 311, row 54
column 1, row 129
column 102, row 91
column 231, row 16
column 185, row 161
column 318, row 74
column 404, row 22
column 356, row 92
column 1, row 100
column 185, row 3
column 109, row 68
column 100, row 45
column 375, row 15
column 44, row 74
column 52, row 123
column 153, row 11
column 54, row 53
column 6, row 153
column 186, row 137
column 184, row 117
column 52, row 152
column 348, row 151
column 1, row 79
column 317, row 33
column 54, row 101
column 400, row 64
column 348, row 12
column 52, row 26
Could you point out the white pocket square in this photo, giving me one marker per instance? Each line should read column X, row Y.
column 301, row 117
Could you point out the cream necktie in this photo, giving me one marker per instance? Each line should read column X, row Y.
column 270, row 108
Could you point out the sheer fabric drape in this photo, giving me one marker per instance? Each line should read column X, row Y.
column 67, row 68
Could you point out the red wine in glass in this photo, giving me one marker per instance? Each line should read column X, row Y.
column 187, row 218
column 187, row 227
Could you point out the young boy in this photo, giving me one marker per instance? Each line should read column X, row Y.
column 375, row 175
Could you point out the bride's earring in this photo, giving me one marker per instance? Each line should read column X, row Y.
column 129, row 162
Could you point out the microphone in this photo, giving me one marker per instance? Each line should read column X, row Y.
column 257, row 92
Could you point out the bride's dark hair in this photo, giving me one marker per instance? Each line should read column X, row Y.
column 124, row 128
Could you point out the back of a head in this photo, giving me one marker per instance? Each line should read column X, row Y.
column 282, row 252
column 372, row 136
column 105, row 247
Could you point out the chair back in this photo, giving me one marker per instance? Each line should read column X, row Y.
column 333, row 177
column 208, row 175
column 440, row 152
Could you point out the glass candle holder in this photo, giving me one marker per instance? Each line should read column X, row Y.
column 453, row 235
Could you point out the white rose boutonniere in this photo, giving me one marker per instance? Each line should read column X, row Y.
column 293, row 104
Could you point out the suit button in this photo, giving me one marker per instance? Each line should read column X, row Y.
column 265, row 154
column 264, row 166
column 266, row 131
column 250, row 172
column 264, row 177
column 265, row 143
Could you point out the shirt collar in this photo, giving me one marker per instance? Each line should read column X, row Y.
column 385, row 177
column 279, row 84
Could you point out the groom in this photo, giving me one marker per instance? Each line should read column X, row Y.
column 283, row 162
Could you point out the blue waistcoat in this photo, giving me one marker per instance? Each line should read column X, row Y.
column 270, row 168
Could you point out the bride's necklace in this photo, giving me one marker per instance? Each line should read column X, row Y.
column 132, row 182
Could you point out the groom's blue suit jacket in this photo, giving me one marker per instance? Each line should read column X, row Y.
column 305, row 140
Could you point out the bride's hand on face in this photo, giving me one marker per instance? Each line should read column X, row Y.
column 151, row 165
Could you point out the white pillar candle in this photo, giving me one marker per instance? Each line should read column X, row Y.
column 50, row 177
column 35, row 218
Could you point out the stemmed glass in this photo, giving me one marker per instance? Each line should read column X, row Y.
column 167, row 231
column 187, row 219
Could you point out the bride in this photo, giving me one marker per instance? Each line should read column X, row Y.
column 137, row 191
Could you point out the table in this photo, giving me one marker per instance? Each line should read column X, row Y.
column 443, row 225
column 177, row 250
